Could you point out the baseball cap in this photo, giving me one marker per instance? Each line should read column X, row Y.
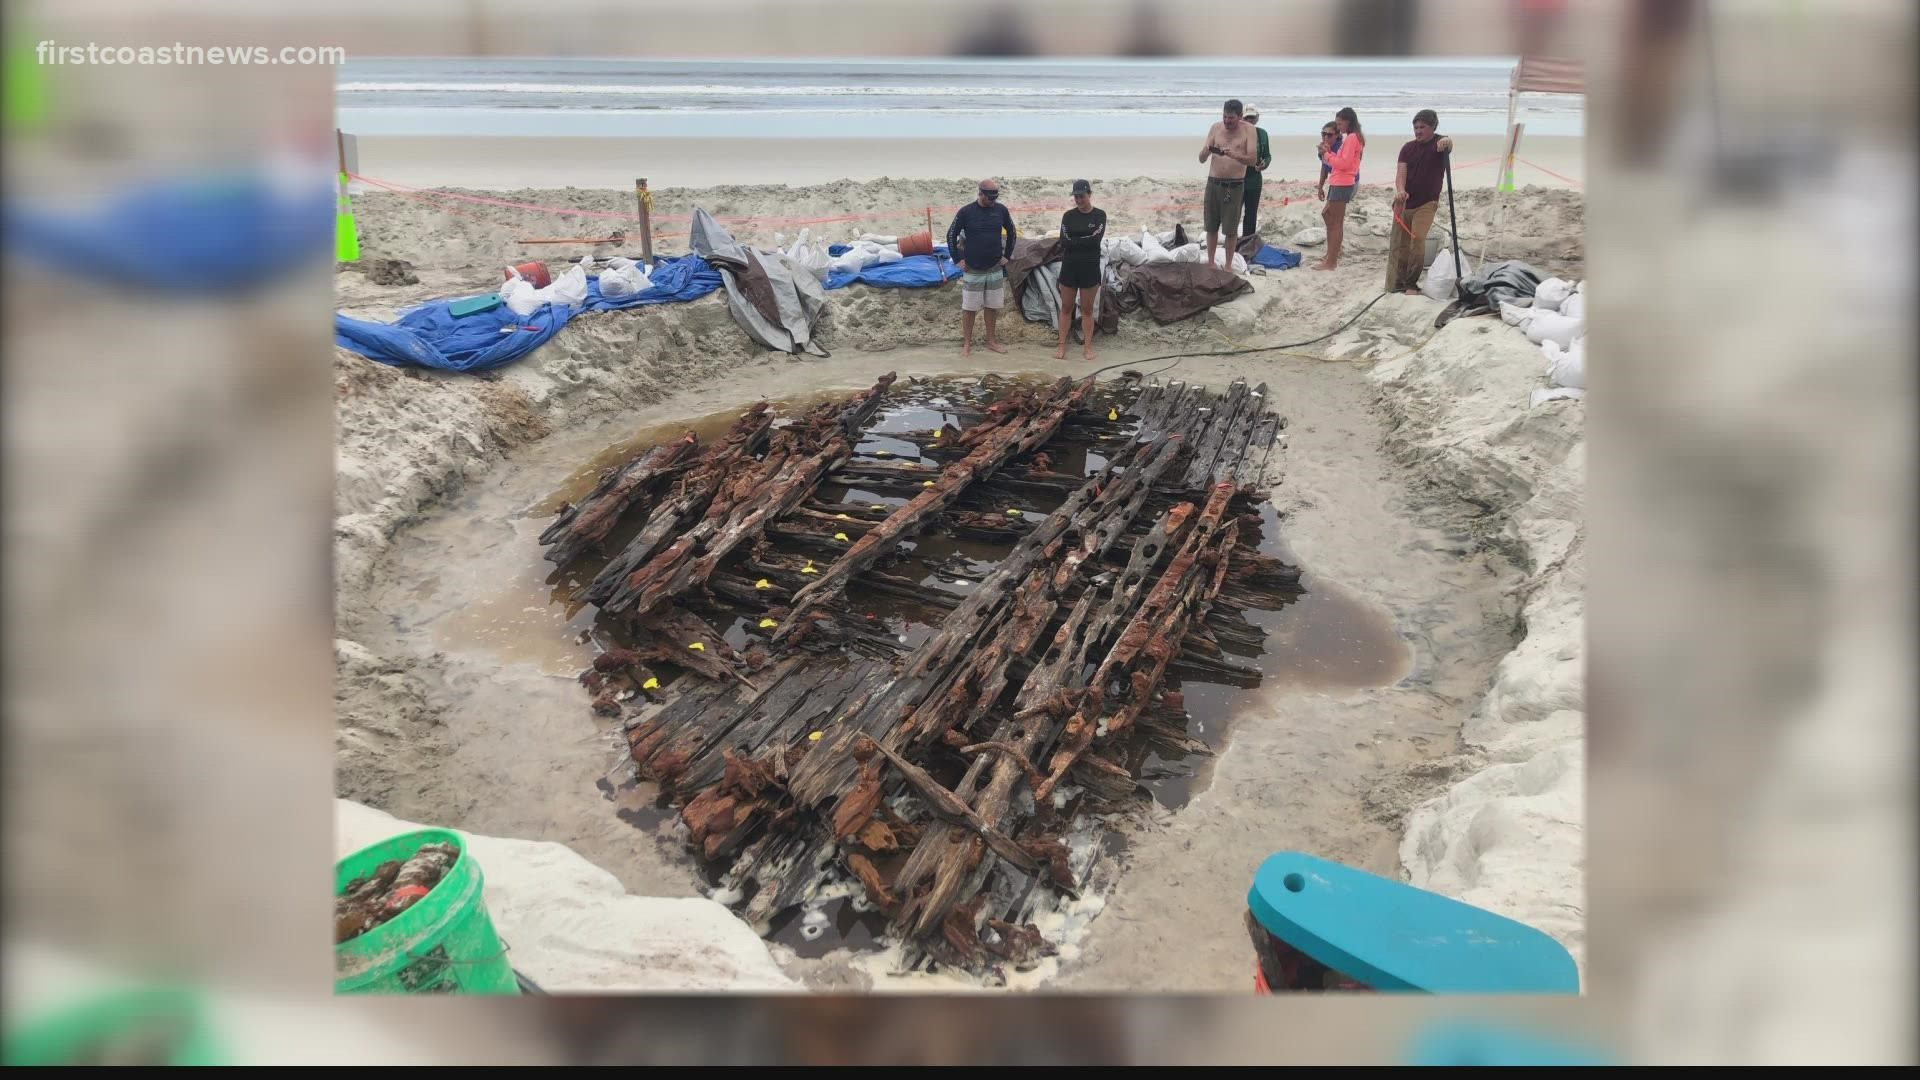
column 1081, row 187
column 1247, row 111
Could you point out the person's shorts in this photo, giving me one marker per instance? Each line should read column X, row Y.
column 1079, row 275
column 1224, row 202
column 983, row 289
column 1342, row 193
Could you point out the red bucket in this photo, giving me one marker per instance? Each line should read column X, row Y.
column 534, row 272
column 920, row 243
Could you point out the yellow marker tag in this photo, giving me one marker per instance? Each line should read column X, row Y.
column 763, row 583
column 926, row 483
column 880, row 506
column 1113, row 414
column 883, row 453
column 842, row 537
column 650, row 684
column 808, row 569
column 697, row 647
column 1011, row 512
column 815, row 737
column 844, row 517
column 768, row 624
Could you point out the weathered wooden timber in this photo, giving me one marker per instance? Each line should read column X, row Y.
column 934, row 770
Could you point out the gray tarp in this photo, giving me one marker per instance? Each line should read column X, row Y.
column 1484, row 290
column 775, row 300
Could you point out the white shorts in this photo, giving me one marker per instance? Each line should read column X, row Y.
column 983, row 289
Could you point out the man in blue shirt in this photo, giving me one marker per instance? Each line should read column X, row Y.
column 974, row 240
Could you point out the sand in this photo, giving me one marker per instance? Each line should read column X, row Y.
column 1462, row 774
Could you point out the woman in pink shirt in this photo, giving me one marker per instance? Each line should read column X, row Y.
column 1345, row 164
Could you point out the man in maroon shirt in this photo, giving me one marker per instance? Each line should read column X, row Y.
column 1416, row 195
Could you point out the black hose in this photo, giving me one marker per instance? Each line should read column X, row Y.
column 1453, row 228
column 1177, row 357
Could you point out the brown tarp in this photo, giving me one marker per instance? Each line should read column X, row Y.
column 1028, row 256
column 758, row 286
column 1172, row 291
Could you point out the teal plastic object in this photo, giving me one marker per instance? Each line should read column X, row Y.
column 1392, row 936
column 473, row 305
column 1457, row 1044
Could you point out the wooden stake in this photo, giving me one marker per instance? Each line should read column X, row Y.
column 644, row 199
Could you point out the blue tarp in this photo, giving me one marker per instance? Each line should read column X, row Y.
column 1274, row 258
column 430, row 335
column 912, row 272
column 189, row 234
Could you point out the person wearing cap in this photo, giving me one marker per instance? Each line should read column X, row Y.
column 1081, row 231
column 1231, row 150
column 974, row 239
column 1250, row 219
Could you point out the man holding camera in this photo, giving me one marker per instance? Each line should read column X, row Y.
column 1232, row 148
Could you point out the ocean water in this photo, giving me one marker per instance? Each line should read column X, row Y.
column 932, row 98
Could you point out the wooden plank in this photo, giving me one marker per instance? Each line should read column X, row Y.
column 992, row 447
column 582, row 525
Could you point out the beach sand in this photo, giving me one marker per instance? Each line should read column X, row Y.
column 1419, row 482
column 559, row 162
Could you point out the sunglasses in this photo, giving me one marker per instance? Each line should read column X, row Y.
column 990, row 194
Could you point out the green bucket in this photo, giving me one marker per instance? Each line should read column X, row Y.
column 443, row 944
column 171, row 1023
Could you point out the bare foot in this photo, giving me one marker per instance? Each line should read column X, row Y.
column 1089, row 354
column 966, row 349
column 1060, row 353
column 996, row 346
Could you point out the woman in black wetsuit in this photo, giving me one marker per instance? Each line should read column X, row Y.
column 1081, row 230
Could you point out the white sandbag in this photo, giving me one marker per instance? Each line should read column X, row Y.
column 1575, row 306
column 849, row 262
column 1166, row 238
column 1516, row 314
column 1552, row 326
column 623, row 277
column 520, row 297
column 1549, row 293
column 1155, row 251
column 1312, row 237
column 1567, row 367
column 877, row 238
column 1197, row 253
column 1125, row 251
column 1544, row 395
column 570, row 288
column 1440, row 276
column 886, row 255
column 1238, row 265
column 811, row 256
